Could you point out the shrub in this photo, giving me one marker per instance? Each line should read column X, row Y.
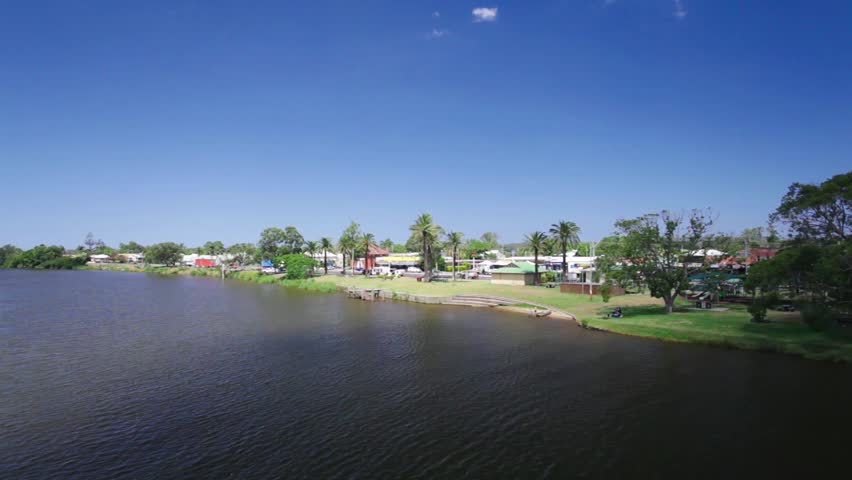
column 64, row 263
column 818, row 316
column 298, row 266
column 606, row 291
column 757, row 308
column 550, row 276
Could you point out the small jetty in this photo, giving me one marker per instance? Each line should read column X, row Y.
column 369, row 294
column 467, row 300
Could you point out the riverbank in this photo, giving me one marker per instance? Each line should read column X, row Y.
column 643, row 316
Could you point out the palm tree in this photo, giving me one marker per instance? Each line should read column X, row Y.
column 367, row 239
column 344, row 245
column 454, row 240
column 536, row 241
column 568, row 233
column 325, row 244
column 426, row 232
column 311, row 248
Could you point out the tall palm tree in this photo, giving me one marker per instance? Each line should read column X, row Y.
column 454, row 240
column 311, row 248
column 426, row 231
column 344, row 245
column 325, row 244
column 367, row 239
column 536, row 241
column 568, row 234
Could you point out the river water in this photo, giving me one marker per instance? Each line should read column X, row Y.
column 136, row 376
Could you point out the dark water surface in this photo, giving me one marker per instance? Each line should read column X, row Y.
column 127, row 375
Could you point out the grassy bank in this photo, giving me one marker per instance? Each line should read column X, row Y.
column 645, row 317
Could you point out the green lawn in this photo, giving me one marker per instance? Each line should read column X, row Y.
column 644, row 316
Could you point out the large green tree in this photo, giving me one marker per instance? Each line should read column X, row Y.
column 426, row 232
column 7, row 253
column 270, row 242
column 455, row 241
column 567, row 234
column 242, row 253
column 166, row 253
column 536, row 241
column 819, row 213
column 651, row 252
column 293, row 242
column 214, row 248
column 131, row 247
column 816, row 263
column 491, row 239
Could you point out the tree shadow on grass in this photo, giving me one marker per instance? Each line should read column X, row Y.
column 635, row 311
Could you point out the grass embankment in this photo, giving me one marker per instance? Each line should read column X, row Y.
column 645, row 317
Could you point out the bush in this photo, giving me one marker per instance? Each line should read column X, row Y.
column 606, row 291
column 818, row 316
column 550, row 276
column 757, row 308
column 298, row 266
column 36, row 257
column 64, row 263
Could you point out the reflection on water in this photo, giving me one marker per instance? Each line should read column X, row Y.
column 123, row 375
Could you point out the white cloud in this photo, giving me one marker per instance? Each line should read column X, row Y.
column 436, row 14
column 438, row 33
column 485, row 14
column 679, row 10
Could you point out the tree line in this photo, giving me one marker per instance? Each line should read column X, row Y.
column 657, row 253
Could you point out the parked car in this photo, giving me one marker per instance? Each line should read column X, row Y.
column 413, row 270
column 269, row 270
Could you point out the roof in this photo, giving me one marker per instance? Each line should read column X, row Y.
column 710, row 253
column 376, row 250
column 517, row 267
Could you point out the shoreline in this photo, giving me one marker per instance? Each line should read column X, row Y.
column 731, row 329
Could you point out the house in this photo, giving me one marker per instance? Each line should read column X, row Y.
column 99, row 258
column 369, row 260
column 131, row 257
column 517, row 273
column 757, row 254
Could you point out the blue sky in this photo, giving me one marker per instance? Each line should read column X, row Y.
column 191, row 121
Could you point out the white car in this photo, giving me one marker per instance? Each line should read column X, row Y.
column 413, row 270
column 269, row 270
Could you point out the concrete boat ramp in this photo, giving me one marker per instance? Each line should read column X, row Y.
column 464, row 300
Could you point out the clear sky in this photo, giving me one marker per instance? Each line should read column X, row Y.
column 205, row 120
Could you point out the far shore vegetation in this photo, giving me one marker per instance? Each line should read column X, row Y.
column 798, row 300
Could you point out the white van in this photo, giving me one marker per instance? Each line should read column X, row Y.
column 380, row 271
